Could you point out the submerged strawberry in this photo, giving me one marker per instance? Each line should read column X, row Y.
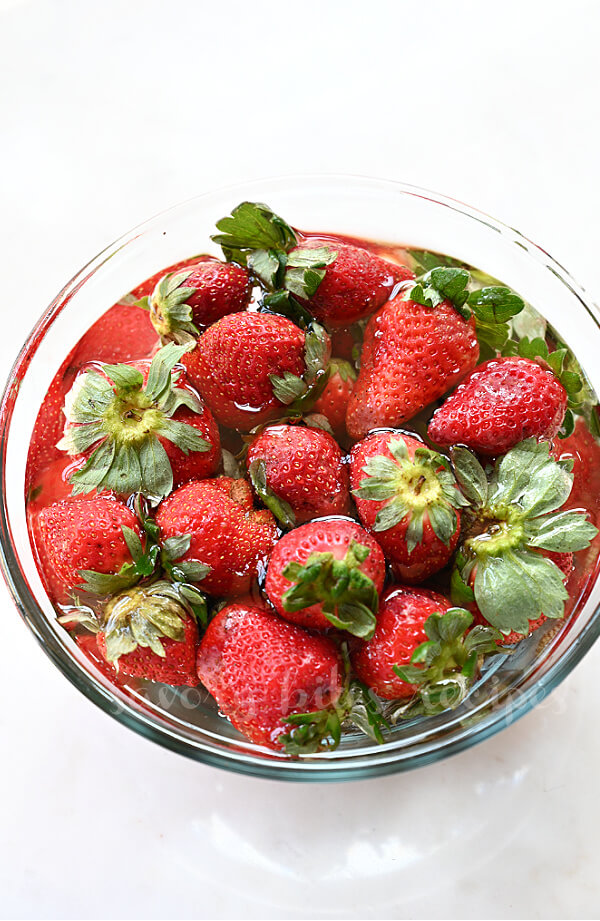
column 408, row 497
column 500, row 403
column 354, row 284
column 279, row 685
column 87, row 543
column 139, row 428
column 333, row 402
column 225, row 532
column 251, row 367
column 327, row 573
column 412, row 355
column 422, row 652
column 299, row 473
column 186, row 301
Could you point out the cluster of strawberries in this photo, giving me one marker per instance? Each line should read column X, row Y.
column 230, row 505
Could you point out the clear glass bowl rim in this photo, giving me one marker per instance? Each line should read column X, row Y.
column 247, row 763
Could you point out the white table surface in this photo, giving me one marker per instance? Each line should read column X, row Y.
column 111, row 111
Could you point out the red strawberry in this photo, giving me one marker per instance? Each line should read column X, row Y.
column 184, row 301
column 149, row 633
column 344, row 340
column 400, row 630
column 500, row 403
column 299, row 473
column 249, row 366
column 261, row 670
column 88, row 643
column 411, row 356
column 333, row 402
column 140, row 427
column 83, row 535
column 226, row 533
column 355, row 284
column 146, row 287
column 122, row 333
column 327, row 573
column 408, row 497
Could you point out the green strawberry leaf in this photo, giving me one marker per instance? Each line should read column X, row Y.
column 495, row 304
column 279, row 507
column 347, row 596
column 442, row 284
column 470, row 475
column 170, row 312
column 253, row 226
column 424, row 261
column 444, row 667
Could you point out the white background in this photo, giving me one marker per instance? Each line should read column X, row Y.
column 111, row 111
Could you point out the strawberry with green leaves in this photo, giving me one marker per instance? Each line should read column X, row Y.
column 298, row 473
column 139, row 428
column 408, row 497
column 149, row 632
column 223, row 531
column 327, row 573
column 279, row 685
column 515, row 518
column 92, row 544
column 354, row 285
column 421, row 651
column 423, row 343
column 333, row 402
column 186, row 301
column 502, row 402
column 336, row 283
column 254, row 367
column 412, row 354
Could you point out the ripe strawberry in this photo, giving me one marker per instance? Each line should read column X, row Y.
column 500, row 403
column 333, row 402
column 185, row 301
column 139, row 427
column 400, row 630
column 299, row 473
column 124, row 332
column 422, row 652
column 82, row 537
column 151, row 633
column 411, row 355
column 146, row 287
column 355, row 284
column 250, row 366
column 261, row 670
column 344, row 341
column 408, row 497
column 225, row 531
column 88, row 643
column 327, row 573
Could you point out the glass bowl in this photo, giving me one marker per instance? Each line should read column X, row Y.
column 187, row 720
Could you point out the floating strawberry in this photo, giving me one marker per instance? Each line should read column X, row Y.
column 411, row 355
column 333, row 402
column 408, row 497
column 327, row 573
column 91, row 544
column 516, row 514
column 250, row 367
column 186, row 301
column 279, row 685
column 298, row 473
column 422, row 652
column 225, row 532
column 139, row 428
column 355, row 283
column 500, row 403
